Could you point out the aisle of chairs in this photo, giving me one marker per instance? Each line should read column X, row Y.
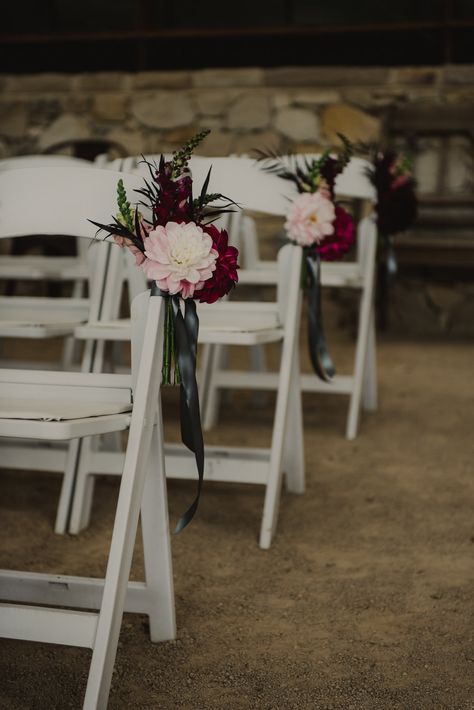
column 56, row 419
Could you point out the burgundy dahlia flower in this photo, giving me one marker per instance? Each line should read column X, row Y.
column 225, row 275
column 333, row 247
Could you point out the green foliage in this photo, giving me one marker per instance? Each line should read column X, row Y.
column 125, row 210
column 181, row 157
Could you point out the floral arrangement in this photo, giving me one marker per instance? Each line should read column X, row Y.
column 314, row 220
column 320, row 225
column 189, row 259
column 397, row 205
column 180, row 249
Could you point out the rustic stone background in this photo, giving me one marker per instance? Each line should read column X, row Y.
column 299, row 109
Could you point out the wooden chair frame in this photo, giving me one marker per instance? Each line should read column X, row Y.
column 62, row 618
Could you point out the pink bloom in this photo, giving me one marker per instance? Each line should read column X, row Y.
column 124, row 242
column 179, row 257
column 310, row 218
column 399, row 181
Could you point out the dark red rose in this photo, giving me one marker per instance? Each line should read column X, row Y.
column 225, row 275
column 337, row 244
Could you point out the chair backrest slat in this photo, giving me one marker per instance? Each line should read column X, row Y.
column 26, row 195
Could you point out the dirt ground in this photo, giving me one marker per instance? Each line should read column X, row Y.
column 365, row 600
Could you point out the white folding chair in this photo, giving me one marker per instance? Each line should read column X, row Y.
column 38, row 318
column 57, row 318
column 64, row 406
column 361, row 385
column 229, row 323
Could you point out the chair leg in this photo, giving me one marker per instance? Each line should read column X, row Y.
column 273, row 487
column 83, row 493
column 293, row 452
column 70, row 343
column 118, row 569
column 66, row 496
column 258, row 363
column 204, row 374
column 156, row 546
column 213, row 394
column 369, row 389
column 360, row 362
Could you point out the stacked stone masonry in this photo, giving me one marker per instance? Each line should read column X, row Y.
column 284, row 108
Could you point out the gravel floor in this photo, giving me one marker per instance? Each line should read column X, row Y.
column 365, row 599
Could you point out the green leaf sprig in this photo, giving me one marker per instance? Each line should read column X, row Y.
column 126, row 214
column 181, row 157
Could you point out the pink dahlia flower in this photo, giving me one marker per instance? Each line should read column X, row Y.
column 179, row 257
column 310, row 219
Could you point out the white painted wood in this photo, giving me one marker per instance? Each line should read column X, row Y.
column 222, row 324
column 77, row 592
column 130, row 496
column 282, row 413
column 27, row 623
column 365, row 319
column 352, row 183
column 229, row 328
column 32, row 267
column 293, row 448
column 71, row 215
column 26, row 457
column 156, row 541
column 369, row 387
column 141, row 459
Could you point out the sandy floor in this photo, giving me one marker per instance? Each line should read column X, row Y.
column 365, row 600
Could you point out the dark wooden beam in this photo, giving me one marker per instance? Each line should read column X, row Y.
column 284, row 31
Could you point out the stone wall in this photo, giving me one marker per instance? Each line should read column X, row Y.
column 282, row 108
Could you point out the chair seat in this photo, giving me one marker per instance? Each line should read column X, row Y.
column 49, row 410
column 229, row 322
column 332, row 274
column 64, row 429
column 61, row 419
column 244, row 323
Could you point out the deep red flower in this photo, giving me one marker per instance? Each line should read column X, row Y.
column 333, row 247
column 396, row 198
column 174, row 204
column 225, row 275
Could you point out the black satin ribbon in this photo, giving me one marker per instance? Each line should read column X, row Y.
column 318, row 350
column 186, row 330
column 391, row 258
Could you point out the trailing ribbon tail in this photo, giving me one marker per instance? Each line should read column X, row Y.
column 318, row 350
column 392, row 265
column 186, row 334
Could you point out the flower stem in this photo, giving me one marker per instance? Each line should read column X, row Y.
column 167, row 343
column 174, row 356
column 304, row 271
